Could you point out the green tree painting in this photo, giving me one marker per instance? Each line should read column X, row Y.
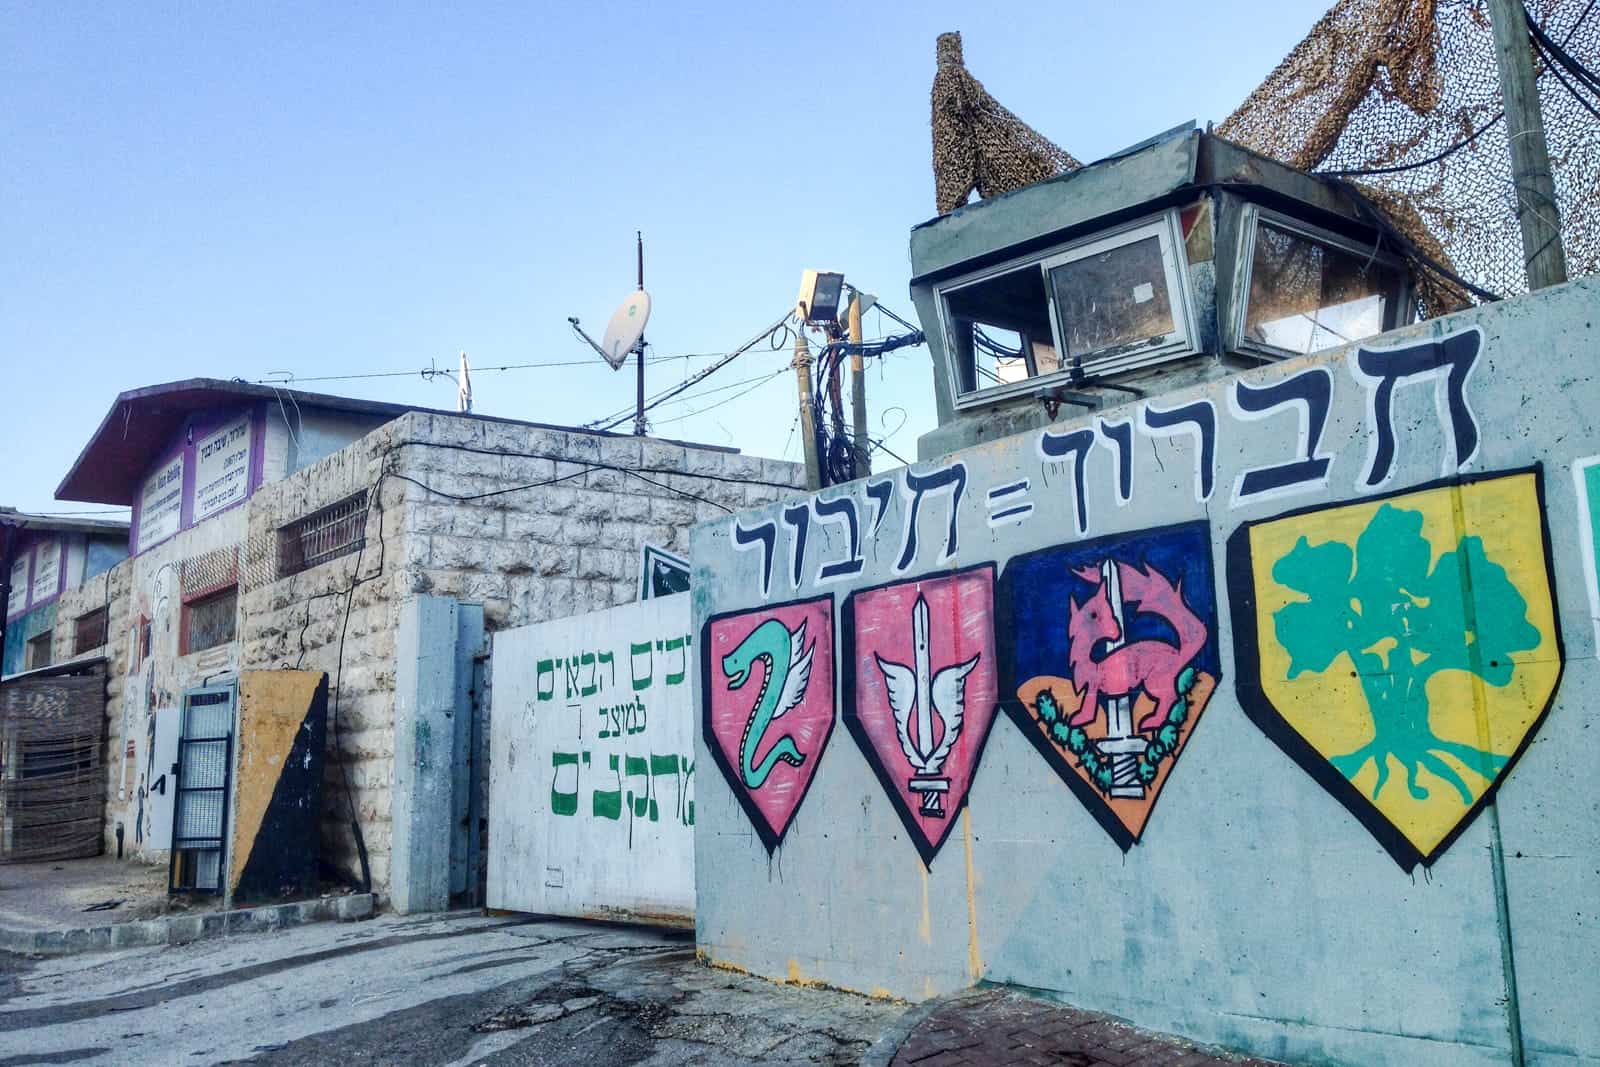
column 1400, row 623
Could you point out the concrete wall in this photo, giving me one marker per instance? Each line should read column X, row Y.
column 591, row 785
column 1335, row 612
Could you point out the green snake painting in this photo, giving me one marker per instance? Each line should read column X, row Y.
column 785, row 659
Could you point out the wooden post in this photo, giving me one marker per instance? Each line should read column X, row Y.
column 858, row 393
column 1535, row 187
column 808, row 424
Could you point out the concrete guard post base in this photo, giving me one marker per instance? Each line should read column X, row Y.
column 178, row 929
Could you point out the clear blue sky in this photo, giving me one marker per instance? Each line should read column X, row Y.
column 237, row 189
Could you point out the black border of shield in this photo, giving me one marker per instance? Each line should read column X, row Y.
column 1253, row 699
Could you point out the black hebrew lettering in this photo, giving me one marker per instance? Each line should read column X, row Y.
column 953, row 478
column 842, row 509
column 880, row 492
column 1055, row 447
column 1447, row 362
column 1202, row 417
column 1310, row 393
column 798, row 517
column 765, row 535
column 1120, row 434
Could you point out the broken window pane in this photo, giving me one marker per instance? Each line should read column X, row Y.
column 1001, row 329
column 1114, row 298
column 1306, row 296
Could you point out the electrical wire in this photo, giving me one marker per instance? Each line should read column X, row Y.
column 611, row 421
column 759, row 382
column 1559, row 54
column 1408, row 247
column 592, row 464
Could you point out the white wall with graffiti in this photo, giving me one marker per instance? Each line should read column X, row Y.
column 1253, row 712
column 592, row 769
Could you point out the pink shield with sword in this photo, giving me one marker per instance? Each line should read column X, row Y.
column 922, row 692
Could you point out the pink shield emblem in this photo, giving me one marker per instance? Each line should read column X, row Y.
column 921, row 691
column 768, row 705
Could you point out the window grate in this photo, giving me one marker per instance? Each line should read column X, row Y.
column 90, row 632
column 210, row 621
column 324, row 535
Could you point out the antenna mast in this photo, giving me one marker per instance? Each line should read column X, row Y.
column 638, row 348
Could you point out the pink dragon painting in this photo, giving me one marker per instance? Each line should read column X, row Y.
column 1149, row 665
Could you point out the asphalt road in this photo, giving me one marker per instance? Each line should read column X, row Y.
column 452, row 991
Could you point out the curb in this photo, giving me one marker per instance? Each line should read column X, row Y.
column 882, row 1051
column 181, row 929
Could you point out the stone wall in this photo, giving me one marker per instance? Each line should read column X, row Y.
column 552, row 526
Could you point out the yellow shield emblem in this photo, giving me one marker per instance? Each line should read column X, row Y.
column 1403, row 649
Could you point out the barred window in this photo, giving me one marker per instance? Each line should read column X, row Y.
column 327, row 534
column 210, row 621
column 90, row 632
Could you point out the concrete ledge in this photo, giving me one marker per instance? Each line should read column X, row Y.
column 178, row 929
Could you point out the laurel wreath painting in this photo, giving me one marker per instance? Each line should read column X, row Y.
column 1049, row 709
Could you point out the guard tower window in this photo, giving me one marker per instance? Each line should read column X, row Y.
column 1112, row 302
column 1116, row 295
column 1309, row 289
column 999, row 329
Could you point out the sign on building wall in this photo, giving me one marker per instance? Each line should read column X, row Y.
column 591, row 786
column 46, row 570
column 161, row 504
column 661, row 573
column 222, row 468
column 18, row 599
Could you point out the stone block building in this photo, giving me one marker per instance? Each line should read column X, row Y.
column 312, row 560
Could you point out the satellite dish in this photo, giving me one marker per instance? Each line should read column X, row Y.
column 625, row 328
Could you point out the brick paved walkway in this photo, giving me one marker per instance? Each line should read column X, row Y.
column 999, row 1027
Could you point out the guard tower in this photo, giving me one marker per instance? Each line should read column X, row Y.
column 1182, row 258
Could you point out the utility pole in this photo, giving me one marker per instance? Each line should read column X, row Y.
column 1535, row 187
column 808, row 424
column 858, row 391
column 638, row 410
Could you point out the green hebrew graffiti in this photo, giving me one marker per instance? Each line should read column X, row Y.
column 638, row 766
column 644, row 803
column 675, row 644
column 660, row 766
column 1400, row 623
column 607, row 803
column 635, row 650
column 564, row 801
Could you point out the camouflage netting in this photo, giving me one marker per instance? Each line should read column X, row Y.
column 1377, row 84
column 978, row 144
column 1389, row 83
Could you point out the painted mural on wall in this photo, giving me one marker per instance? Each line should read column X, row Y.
column 592, row 765
column 1104, row 638
column 768, row 706
column 1111, row 654
column 1403, row 649
column 1586, row 476
column 921, row 691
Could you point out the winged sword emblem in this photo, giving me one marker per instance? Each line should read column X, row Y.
column 918, row 693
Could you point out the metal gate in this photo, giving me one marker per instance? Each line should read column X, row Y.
column 591, row 773
column 200, row 814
